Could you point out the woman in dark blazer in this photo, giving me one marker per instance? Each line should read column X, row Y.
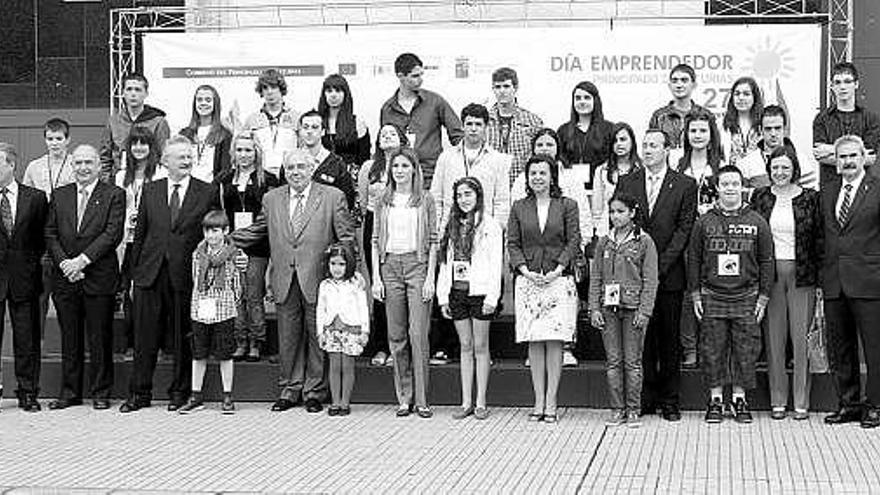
column 211, row 140
column 795, row 220
column 543, row 239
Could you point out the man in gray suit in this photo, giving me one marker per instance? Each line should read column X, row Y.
column 301, row 220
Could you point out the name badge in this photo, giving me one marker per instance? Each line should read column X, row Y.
column 207, row 309
column 728, row 265
column 411, row 137
column 328, row 178
column 243, row 219
column 612, row 294
column 461, row 271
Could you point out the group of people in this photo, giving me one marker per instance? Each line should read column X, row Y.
column 677, row 253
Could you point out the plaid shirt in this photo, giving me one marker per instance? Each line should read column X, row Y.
column 523, row 128
column 226, row 298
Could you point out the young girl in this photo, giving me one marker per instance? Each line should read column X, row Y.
column 343, row 322
column 469, row 285
column 622, row 291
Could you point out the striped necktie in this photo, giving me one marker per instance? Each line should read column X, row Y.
column 6, row 211
column 843, row 214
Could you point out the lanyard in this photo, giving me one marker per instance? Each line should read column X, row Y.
column 470, row 163
column 53, row 183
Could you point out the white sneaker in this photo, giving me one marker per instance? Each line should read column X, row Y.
column 617, row 418
column 568, row 359
column 528, row 363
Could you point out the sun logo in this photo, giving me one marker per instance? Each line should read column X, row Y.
column 769, row 60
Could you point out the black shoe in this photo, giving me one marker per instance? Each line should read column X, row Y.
column 670, row 412
column 194, row 404
column 343, row 411
column 844, row 415
column 101, row 404
column 313, row 406
column 132, row 405
column 58, row 404
column 714, row 412
column 176, row 404
column 648, row 409
column 282, row 405
column 28, row 403
column 871, row 418
column 741, row 412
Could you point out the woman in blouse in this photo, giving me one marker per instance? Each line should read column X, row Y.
column 742, row 119
column 623, row 158
column 210, row 138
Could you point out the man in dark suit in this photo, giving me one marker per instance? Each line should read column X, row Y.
column 851, row 281
column 168, row 229
column 84, row 227
column 22, row 216
column 667, row 209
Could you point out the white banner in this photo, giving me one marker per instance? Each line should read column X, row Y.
column 629, row 64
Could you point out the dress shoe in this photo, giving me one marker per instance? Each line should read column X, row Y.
column 281, row 405
column 132, row 405
column 175, row 405
column 671, row 413
column 871, row 418
column 313, row 406
column 844, row 415
column 101, row 404
column 64, row 403
column 31, row 404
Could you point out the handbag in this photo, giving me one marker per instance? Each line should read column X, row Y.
column 817, row 352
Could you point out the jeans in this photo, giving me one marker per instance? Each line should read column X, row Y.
column 729, row 348
column 623, row 358
column 408, row 322
column 250, row 324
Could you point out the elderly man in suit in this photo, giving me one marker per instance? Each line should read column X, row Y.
column 667, row 210
column 22, row 216
column 168, row 229
column 851, row 281
column 84, row 227
column 301, row 220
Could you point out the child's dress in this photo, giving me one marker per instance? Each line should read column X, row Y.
column 343, row 321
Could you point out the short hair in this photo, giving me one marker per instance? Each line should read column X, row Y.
column 845, row 68
column 56, row 124
column 731, row 169
column 135, row 76
column 310, row 113
column 475, row 110
column 505, row 74
column 215, row 219
column 90, row 148
column 656, row 130
column 271, row 77
column 406, row 62
column 849, row 139
column 789, row 152
column 687, row 69
column 173, row 141
column 346, row 250
column 8, row 150
column 298, row 153
column 774, row 111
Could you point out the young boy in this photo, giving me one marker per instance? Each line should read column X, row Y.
column 216, row 291
column 730, row 272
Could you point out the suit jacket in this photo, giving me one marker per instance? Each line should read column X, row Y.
column 99, row 233
column 326, row 220
column 851, row 263
column 543, row 251
column 21, row 274
column 669, row 224
column 156, row 240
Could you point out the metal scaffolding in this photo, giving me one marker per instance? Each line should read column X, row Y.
column 127, row 24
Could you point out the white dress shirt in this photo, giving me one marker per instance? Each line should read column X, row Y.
column 852, row 194
column 181, row 192
column 657, row 180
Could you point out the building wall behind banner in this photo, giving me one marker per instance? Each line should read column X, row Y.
column 630, row 65
column 866, row 51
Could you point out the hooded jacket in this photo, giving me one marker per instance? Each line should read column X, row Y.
column 116, row 132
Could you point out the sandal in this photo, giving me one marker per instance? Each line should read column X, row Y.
column 463, row 412
column 403, row 411
column 424, row 412
column 550, row 418
column 536, row 417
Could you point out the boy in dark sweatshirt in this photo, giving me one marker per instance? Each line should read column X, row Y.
column 730, row 272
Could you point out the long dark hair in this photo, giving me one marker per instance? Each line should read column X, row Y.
column 215, row 135
column 346, row 250
column 379, row 158
column 714, row 153
column 140, row 134
column 555, row 191
column 731, row 115
column 611, row 168
column 461, row 226
column 597, row 115
column 546, row 131
column 346, row 126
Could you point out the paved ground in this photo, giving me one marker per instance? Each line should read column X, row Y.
column 83, row 451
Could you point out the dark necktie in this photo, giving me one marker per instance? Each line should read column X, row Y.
column 175, row 203
column 843, row 214
column 6, row 211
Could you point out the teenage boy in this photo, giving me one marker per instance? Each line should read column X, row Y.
column 47, row 173
column 134, row 111
column 332, row 170
column 275, row 124
column 845, row 116
column 420, row 113
column 670, row 118
column 730, row 273
column 215, row 295
column 774, row 129
column 511, row 128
